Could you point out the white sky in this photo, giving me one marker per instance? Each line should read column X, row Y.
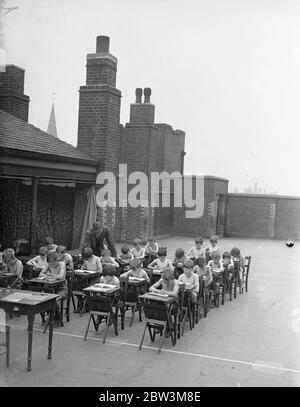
column 224, row 71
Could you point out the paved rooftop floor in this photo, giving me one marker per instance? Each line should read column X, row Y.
column 251, row 341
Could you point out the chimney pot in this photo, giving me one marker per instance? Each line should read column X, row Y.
column 147, row 94
column 138, row 95
column 102, row 44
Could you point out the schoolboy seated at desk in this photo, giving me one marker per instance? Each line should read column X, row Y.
column 205, row 272
column 57, row 271
column 54, row 269
column 191, row 278
column 14, row 266
column 179, row 259
column 109, row 277
column 91, row 262
column 211, row 248
column 238, row 262
column 40, row 261
column 162, row 262
column 151, row 251
column 138, row 251
column 227, row 265
column 216, row 268
column 125, row 256
column 197, row 251
column 167, row 283
column 136, row 271
column 65, row 257
column 107, row 259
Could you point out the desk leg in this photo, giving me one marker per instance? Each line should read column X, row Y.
column 51, row 315
column 30, row 334
column 68, row 304
column 175, row 328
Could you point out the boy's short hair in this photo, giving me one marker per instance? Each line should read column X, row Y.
column 151, row 239
column 179, row 252
column 226, row 255
column 235, row 252
column 199, row 239
column 167, row 274
column 188, row 264
column 135, row 263
column 105, row 252
column 136, row 241
column 61, row 249
column 52, row 256
column 109, row 270
column 216, row 255
column 87, row 253
column 214, row 238
column 125, row 249
column 8, row 252
column 162, row 251
column 43, row 250
column 49, row 239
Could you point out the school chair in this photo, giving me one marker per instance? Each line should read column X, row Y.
column 128, row 300
column 100, row 307
column 245, row 274
column 158, row 319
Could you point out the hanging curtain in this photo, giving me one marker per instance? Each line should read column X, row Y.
column 90, row 214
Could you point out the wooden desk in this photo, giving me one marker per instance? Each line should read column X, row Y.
column 5, row 278
column 168, row 301
column 47, row 283
column 110, row 294
column 30, row 306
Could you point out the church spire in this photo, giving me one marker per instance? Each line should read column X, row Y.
column 52, row 123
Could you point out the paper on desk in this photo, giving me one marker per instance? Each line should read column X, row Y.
column 17, row 297
column 102, row 285
column 136, row 279
column 159, row 295
column 85, row 271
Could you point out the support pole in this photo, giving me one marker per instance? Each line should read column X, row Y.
column 33, row 214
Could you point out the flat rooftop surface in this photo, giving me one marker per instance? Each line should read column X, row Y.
column 252, row 341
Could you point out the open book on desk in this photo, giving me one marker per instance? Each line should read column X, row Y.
column 159, row 294
column 85, row 271
column 105, row 286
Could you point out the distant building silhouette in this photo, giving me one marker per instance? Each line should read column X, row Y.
column 52, row 123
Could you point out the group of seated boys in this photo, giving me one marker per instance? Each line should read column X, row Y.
column 201, row 260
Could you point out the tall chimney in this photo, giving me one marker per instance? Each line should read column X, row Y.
column 12, row 98
column 99, row 108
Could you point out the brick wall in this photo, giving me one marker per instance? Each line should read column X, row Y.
column 263, row 216
column 206, row 225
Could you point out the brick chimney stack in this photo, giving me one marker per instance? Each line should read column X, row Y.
column 12, row 98
column 142, row 113
column 99, row 108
